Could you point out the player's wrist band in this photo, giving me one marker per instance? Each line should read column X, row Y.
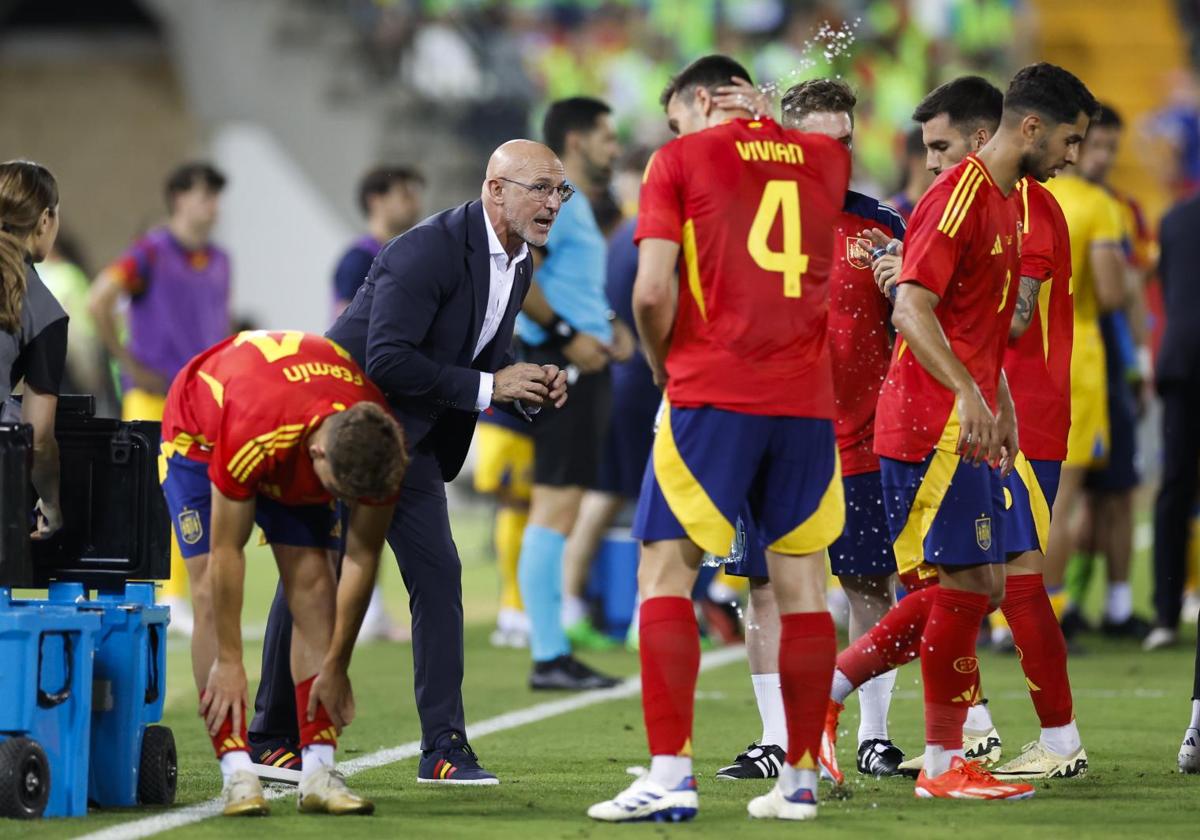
column 558, row 332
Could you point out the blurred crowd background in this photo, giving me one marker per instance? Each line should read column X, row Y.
column 294, row 99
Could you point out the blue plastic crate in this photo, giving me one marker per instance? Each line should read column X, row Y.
column 129, row 691
column 46, row 693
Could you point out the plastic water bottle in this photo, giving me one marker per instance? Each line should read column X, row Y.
column 737, row 549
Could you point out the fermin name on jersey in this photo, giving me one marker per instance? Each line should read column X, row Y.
column 769, row 151
column 311, row 370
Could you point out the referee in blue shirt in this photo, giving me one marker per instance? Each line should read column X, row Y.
column 569, row 324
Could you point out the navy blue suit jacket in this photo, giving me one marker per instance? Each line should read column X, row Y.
column 414, row 324
column 1179, row 356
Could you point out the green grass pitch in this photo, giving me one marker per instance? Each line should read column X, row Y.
column 1131, row 707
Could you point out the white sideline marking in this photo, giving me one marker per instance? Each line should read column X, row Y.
column 149, row 826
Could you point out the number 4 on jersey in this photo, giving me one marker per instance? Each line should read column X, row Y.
column 780, row 199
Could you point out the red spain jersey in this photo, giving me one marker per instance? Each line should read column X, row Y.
column 752, row 205
column 1038, row 364
column 860, row 345
column 963, row 244
column 245, row 406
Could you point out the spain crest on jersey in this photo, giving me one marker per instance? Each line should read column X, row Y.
column 858, row 251
column 191, row 529
column 983, row 532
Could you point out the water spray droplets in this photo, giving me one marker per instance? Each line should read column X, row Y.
column 829, row 43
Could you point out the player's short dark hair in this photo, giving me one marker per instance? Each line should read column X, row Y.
column 818, row 96
column 1049, row 91
column 1107, row 117
column 191, row 174
column 969, row 102
column 366, row 451
column 711, row 71
column 578, row 113
column 914, row 143
column 379, row 180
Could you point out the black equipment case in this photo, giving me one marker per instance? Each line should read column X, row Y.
column 116, row 526
column 16, row 450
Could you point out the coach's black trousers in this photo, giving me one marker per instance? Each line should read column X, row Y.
column 429, row 563
column 1176, row 496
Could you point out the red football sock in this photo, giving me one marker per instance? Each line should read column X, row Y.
column 948, row 664
column 319, row 730
column 1040, row 647
column 230, row 737
column 807, row 653
column 669, row 646
column 894, row 641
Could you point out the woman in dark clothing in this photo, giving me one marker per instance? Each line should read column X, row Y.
column 33, row 326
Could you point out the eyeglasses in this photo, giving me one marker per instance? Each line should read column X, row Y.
column 542, row 191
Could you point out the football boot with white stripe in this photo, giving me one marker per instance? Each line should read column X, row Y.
column 1189, row 752
column 880, row 758
column 647, row 801
column 759, row 761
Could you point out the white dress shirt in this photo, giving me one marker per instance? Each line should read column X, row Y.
column 503, row 272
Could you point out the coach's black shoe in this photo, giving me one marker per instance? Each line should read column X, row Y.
column 452, row 762
column 276, row 759
column 566, row 673
column 1134, row 627
column 276, row 752
column 759, row 761
column 881, row 758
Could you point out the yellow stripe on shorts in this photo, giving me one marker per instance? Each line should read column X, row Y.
column 909, row 547
column 1037, row 500
column 703, row 522
column 825, row 525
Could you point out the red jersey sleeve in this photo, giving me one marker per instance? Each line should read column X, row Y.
column 1037, row 235
column 934, row 241
column 132, row 270
column 660, row 208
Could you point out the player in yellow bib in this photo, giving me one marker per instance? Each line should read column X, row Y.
column 1096, row 225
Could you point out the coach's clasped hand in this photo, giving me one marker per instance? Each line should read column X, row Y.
column 532, row 384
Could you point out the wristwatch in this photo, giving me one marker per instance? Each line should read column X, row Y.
column 559, row 332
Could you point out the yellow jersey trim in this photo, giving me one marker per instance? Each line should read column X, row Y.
column 966, row 206
column 218, row 390
column 953, row 202
column 255, row 450
column 691, row 260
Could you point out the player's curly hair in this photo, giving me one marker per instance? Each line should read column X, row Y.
column 818, row 96
column 367, row 453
